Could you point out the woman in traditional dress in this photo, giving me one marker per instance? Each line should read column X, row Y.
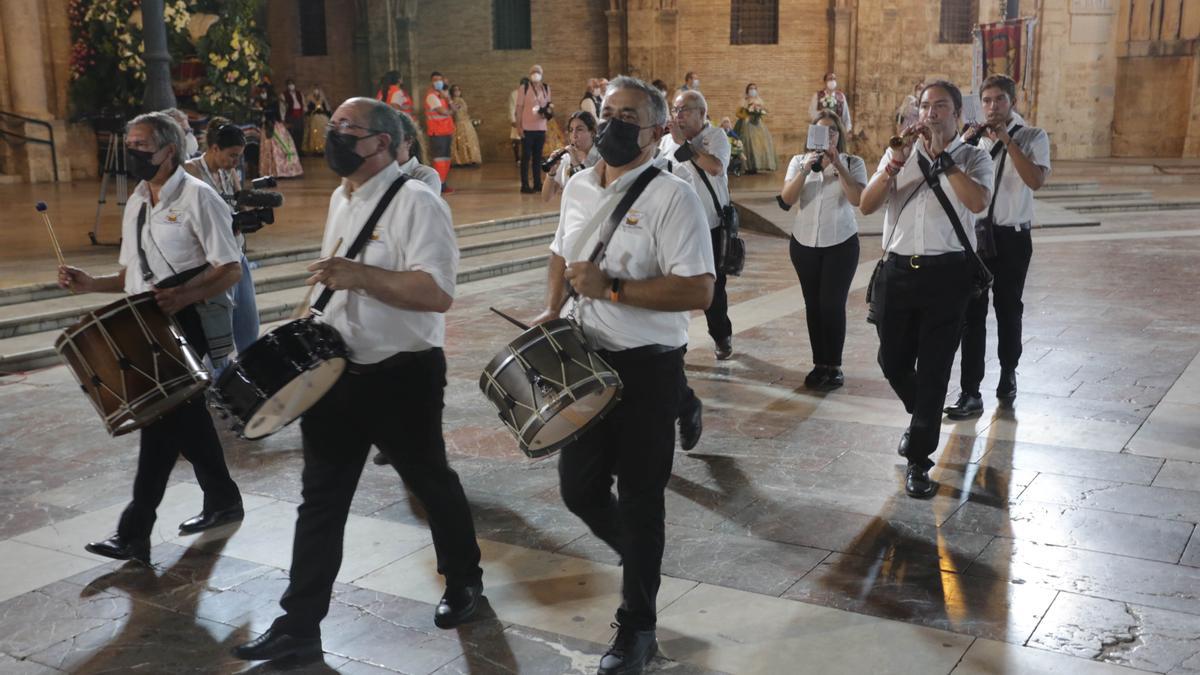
column 756, row 138
column 277, row 155
column 465, row 149
column 318, row 116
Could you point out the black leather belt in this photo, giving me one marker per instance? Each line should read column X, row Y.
column 916, row 262
column 639, row 352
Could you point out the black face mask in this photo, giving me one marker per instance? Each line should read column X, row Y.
column 617, row 141
column 140, row 165
column 340, row 154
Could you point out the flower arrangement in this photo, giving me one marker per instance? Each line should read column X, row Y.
column 108, row 72
column 735, row 147
column 753, row 112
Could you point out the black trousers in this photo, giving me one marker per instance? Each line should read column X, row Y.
column 186, row 430
column 635, row 444
column 825, row 274
column 919, row 324
column 717, row 314
column 1014, row 249
column 399, row 410
column 531, row 157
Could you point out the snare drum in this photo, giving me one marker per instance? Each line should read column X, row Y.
column 550, row 387
column 132, row 361
column 281, row 376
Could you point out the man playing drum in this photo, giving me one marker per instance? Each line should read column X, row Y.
column 389, row 310
column 175, row 228
column 635, row 309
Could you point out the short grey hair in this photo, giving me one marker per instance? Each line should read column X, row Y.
column 656, row 102
column 695, row 95
column 164, row 130
column 410, row 131
column 382, row 118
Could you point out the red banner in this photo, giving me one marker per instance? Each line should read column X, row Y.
column 1002, row 48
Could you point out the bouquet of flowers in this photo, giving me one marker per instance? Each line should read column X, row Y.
column 754, row 112
column 828, row 102
column 735, row 147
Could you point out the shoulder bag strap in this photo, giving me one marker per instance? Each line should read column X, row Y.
column 365, row 233
column 935, row 184
column 147, row 275
column 712, row 193
column 998, row 150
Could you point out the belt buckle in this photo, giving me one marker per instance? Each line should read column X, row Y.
column 912, row 262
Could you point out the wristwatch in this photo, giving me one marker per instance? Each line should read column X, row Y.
column 614, row 294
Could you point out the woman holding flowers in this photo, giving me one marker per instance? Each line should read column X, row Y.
column 756, row 138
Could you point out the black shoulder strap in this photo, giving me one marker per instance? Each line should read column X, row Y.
column 935, row 184
column 711, row 192
column 147, row 275
column 614, row 220
column 998, row 151
column 363, row 235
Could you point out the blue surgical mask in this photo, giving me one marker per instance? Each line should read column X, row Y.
column 439, row 85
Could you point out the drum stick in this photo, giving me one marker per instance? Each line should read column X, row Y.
column 58, row 254
column 511, row 320
column 304, row 304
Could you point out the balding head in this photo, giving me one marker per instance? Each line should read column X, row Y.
column 693, row 97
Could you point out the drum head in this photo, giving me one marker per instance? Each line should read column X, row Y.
column 294, row 399
column 572, row 420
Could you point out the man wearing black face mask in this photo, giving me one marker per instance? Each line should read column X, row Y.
column 388, row 307
column 177, row 242
column 634, row 306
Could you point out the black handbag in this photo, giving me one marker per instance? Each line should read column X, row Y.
column 731, row 249
column 985, row 233
column 982, row 279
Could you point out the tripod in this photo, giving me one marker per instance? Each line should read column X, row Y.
column 114, row 167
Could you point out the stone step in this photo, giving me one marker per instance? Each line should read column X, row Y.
column 1091, row 206
column 1067, row 186
column 474, row 239
column 30, row 349
column 1095, row 195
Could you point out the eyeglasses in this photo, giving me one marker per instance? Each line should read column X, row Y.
column 679, row 110
column 345, row 125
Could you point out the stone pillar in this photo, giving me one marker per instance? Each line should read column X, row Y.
column 618, row 38
column 23, row 52
column 1191, row 143
column 841, row 42
column 159, row 94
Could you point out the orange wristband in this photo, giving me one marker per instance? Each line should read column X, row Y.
column 614, row 294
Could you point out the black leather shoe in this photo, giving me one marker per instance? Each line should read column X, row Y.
column 120, row 548
column 210, row 519
column 917, row 483
column 275, row 645
column 834, row 378
column 526, row 190
column 724, row 348
column 381, row 459
column 1007, row 387
column 968, row 406
column 457, row 605
column 814, row 377
column 902, row 448
column 691, row 425
column 630, row 652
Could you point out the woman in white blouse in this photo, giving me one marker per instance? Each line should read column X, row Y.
column 824, row 245
column 580, row 154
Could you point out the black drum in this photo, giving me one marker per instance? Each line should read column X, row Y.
column 280, row 376
column 549, row 386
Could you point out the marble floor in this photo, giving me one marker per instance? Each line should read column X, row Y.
column 1063, row 538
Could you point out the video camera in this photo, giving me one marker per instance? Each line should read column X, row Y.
column 256, row 205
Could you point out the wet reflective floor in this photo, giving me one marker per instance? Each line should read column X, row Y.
column 1062, row 538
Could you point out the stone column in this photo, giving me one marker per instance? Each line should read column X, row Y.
column 159, row 94
column 23, row 52
column 841, row 42
column 618, row 40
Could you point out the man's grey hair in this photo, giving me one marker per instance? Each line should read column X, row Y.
column 164, row 130
column 657, row 103
column 381, row 118
column 696, row 97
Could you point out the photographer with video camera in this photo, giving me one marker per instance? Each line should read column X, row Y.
column 218, row 167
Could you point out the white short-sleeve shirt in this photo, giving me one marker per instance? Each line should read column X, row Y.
column 914, row 222
column 189, row 226
column 566, row 169
column 1014, row 199
column 426, row 174
column 662, row 233
column 824, row 217
column 713, row 141
column 415, row 233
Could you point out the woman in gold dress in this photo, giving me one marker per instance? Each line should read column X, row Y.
column 317, row 113
column 756, row 138
column 465, row 149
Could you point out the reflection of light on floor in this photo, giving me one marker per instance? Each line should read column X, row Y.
column 952, row 594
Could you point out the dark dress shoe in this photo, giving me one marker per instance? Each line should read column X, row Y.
column 381, row 459
column 917, row 483
column 526, row 190
column 275, row 645
column 457, row 605
column 1007, row 387
column 691, row 425
column 120, row 548
column 834, row 378
column 902, row 449
column 968, row 406
column 724, row 348
column 814, row 377
column 630, row 652
column 210, row 519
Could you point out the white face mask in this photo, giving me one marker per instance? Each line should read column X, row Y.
column 536, row 77
column 831, row 85
column 696, row 83
column 291, row 87
column 752, row 93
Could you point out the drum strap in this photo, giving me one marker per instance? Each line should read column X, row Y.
column 363, row 235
